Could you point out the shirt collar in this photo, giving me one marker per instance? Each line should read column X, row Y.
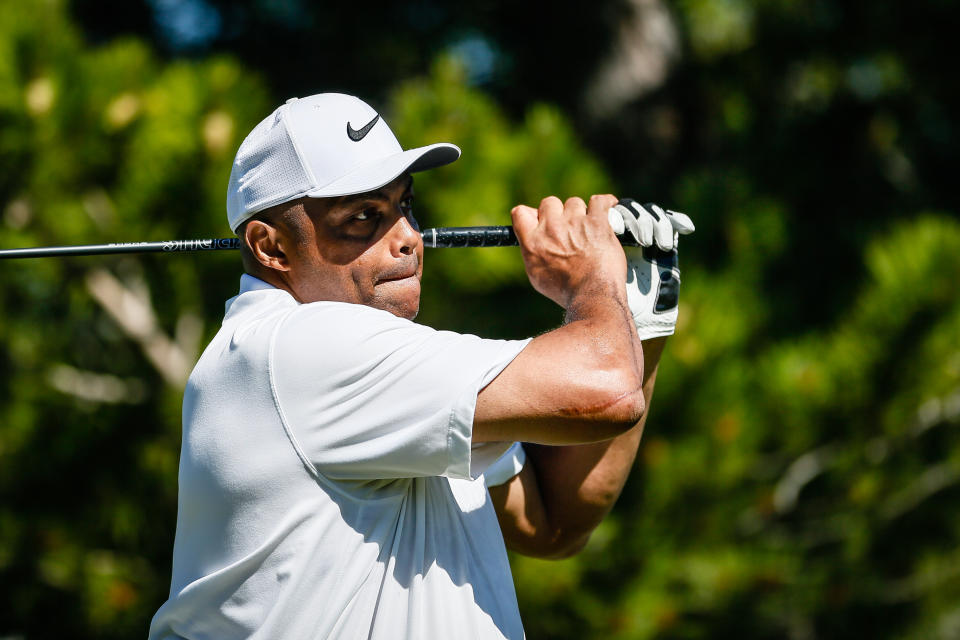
column 250, row 283
column 257, row 292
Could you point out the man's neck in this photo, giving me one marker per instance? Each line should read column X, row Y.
column 274, row 279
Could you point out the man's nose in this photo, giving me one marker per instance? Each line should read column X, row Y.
column 404, row 237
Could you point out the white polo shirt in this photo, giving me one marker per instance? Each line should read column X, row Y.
column 326, row 487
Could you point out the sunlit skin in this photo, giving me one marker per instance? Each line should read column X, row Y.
column 364, row 249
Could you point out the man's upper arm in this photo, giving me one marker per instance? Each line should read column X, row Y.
column 525, row 523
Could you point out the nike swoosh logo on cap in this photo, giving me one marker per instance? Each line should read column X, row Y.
column 358, row 135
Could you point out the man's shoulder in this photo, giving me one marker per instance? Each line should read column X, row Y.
column 348, row 313
column 344, row 329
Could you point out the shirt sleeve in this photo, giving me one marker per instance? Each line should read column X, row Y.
column 364, row 394
column 503, row 468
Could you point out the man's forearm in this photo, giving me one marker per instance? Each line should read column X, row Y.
column 593, row 387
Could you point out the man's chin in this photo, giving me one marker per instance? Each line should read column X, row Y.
column 399, row 297
column 408, row 312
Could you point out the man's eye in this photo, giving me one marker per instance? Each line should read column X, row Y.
column 406, row 204
column 366, row 214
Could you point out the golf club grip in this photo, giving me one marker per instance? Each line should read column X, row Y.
column 467, row 237
column 458, row 237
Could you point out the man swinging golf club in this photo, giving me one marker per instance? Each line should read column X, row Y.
column 347, row 473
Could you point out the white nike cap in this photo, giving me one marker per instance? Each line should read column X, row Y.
column 320, row 146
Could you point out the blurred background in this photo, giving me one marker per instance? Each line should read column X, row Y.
column 800, row 474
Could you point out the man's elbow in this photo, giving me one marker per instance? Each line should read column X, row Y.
column 627, row 408
column 618, row 407
column 571, row 547
column 560, row 546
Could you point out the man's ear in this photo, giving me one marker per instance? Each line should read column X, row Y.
column 267, row 245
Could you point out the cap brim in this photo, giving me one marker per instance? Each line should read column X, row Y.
column 374, row 175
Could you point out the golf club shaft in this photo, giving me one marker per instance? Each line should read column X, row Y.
column 444, row 237
column 164, row 246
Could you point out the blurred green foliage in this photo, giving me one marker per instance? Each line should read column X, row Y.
column 800, row 475
column 101, row 144
column 806, row 487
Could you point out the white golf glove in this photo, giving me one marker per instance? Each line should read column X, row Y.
column 653, row 272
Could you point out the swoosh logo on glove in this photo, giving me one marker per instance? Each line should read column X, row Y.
column 359, row 134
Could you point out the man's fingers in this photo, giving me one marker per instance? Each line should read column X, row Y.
column 600, row 204
column 550, row 207
column 662, row 227
column 645, row 223
column 650, row 224
column 525, row 220
column 574, row 206
column 630, row 222
column 616, row 220
column 681, row 222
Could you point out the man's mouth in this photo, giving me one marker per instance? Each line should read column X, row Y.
column 409, row 272
column 396, row 278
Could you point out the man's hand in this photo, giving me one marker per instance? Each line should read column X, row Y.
column 569, row 249
column 653, row 274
